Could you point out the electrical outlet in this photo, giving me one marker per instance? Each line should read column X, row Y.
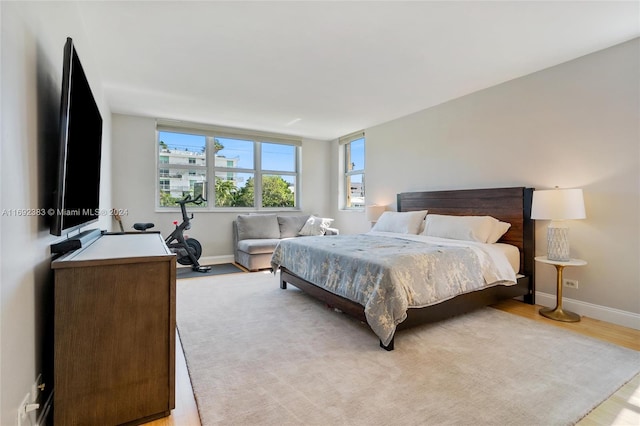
column 27, row 409
column 570, row 283
column 22, row 412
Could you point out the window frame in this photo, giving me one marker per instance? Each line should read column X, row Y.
column 346, row 172
column 211, row 133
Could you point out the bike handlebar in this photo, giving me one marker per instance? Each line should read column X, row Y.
column 186, row 200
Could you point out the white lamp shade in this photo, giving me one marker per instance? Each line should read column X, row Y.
column 374, row 212
column 558, row 204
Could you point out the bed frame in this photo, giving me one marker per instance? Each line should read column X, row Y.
column 511, row 205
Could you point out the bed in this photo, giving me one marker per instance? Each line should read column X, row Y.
column 512, row 205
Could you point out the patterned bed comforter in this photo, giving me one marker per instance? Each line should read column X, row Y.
column 389, row 273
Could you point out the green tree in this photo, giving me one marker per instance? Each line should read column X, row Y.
column 226, row 193
column 166, row 200
column 246, row 195
column 217, row 146
column 276, row 192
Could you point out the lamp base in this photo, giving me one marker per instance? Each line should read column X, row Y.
column 558, row 243
column 559, row 314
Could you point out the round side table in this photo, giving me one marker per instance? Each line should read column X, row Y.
column 558, row 313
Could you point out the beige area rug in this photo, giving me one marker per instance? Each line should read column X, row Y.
column 259, row 355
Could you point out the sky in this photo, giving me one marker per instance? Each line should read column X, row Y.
column 279, row 157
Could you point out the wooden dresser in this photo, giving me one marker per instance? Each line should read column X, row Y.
column 114, row 331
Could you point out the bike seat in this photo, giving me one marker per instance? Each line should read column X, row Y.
column 142, row 226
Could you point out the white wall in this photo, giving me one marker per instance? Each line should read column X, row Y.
column 572, row 125
column 33, row 37
column 134, row 185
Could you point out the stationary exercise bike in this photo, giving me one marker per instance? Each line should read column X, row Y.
column 188, row 250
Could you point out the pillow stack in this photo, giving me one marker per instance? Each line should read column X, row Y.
column 400, row 222
column 483, row 229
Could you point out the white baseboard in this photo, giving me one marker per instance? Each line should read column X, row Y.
column 212, row 260
column 602, row 313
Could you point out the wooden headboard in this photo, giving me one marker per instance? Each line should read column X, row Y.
column 511, row 205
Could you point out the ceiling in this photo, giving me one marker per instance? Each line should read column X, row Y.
column 325, row 69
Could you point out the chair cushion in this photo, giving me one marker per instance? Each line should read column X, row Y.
column 253, row 226
column 290, row 226
column 258, row 246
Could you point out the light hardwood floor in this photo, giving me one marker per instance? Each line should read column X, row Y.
column 622, row 408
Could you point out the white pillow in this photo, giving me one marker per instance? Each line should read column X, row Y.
column 499, row 229
column 467, row 228
column 400, row 222
column 423, row 223
column 315, row 226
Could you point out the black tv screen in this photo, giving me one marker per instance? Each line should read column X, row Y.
column 77, row 192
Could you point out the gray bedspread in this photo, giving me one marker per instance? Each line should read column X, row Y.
column 389, row 273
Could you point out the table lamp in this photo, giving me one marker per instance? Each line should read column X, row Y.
column 558, row 205
column 374, row 212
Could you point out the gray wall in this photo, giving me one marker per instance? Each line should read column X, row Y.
column 572, row 125
column 33, row 37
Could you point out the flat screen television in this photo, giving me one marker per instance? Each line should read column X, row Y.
column 76, row 195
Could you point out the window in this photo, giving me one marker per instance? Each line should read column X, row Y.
column 253, row 171
column 278, row 163
column 179, row 169
column 354, row 167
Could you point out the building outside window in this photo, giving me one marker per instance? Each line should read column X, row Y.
column 353, row 148
column 248, row 171
column 183, row 162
